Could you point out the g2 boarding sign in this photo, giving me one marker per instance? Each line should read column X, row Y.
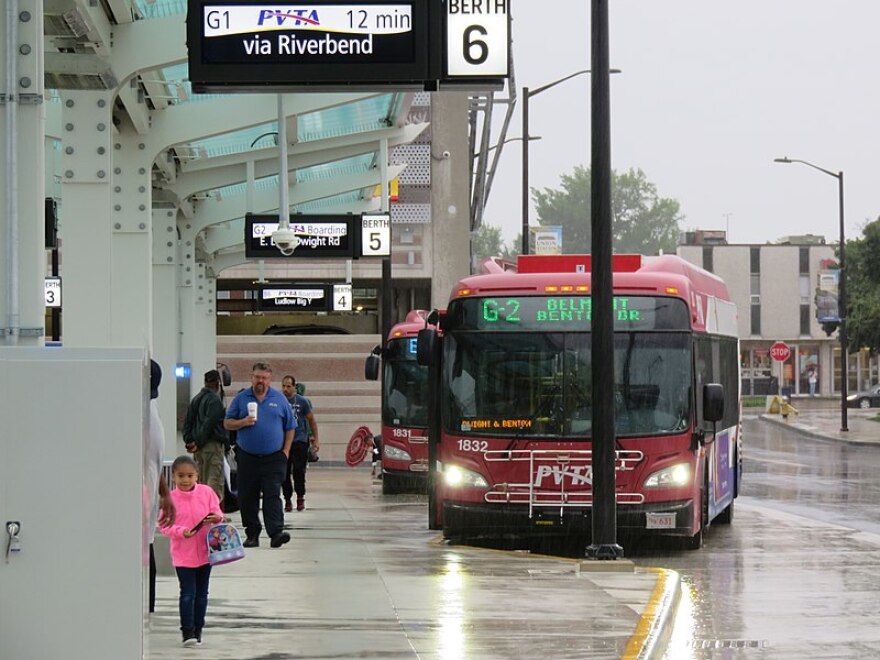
column 477, row 38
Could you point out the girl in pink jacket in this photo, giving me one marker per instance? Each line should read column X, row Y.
column 197, row 508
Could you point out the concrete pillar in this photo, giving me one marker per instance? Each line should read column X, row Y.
column 87, row 180
column 204, row 356
column 450, row 196
column 22, row 182
column 166, row 322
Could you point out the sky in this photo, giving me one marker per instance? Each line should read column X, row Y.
column 709, row 94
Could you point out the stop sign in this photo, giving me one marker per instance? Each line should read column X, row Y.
column 780, row 351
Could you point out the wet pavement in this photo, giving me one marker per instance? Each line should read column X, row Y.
column 364, row 578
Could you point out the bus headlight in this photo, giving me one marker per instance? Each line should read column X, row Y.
column 396, row 454
column 673, row 476
column 457, row 477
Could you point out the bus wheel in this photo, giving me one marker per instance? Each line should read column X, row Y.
column 392, row 484
column 726, row 516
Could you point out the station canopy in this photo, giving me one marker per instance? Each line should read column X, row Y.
column 334, row 138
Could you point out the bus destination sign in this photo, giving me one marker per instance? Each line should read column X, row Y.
column 567, row 313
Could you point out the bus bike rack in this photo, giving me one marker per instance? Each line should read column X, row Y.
column 625, row 460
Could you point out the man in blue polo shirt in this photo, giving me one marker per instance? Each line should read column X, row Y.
column 263, row 440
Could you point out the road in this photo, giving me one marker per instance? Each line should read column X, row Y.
column 796, row 574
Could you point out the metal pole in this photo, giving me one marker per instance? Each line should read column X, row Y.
column 604, row 543
column 841, row 312
column 56, row 311
column 387, row 294
column 525, row 171
column 283, row 176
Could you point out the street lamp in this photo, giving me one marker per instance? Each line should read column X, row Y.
column 841, row 291
column 526, row 95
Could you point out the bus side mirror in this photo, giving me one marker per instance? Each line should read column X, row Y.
column 426, row 346
column 713, row 402
column 373, row 364
column 371, row 367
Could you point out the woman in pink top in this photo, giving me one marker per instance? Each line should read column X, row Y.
column 197, row 505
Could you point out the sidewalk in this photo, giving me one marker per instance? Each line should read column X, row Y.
column 825, row 423
column 363, row 577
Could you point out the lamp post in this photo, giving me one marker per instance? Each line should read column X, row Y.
column 526, row 95
column 841, row 291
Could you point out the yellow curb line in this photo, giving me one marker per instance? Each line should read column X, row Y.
column 656, row 620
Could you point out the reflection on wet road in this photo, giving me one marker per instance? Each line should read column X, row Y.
column 796, row 575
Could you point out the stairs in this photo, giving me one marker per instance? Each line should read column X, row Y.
column 330, row 366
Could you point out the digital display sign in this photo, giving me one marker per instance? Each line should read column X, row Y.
column 317, row 236
column 254, row 45
column 295, row 298
column 402, row 348
column 565, row 313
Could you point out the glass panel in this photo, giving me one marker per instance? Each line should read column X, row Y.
column 808, row 369
column 804, row 286
column 756, row 319
column 804, row 261
column 539, row 384
column 406, row 386
column 805, row 320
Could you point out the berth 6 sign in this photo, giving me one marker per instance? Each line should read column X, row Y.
column 341, row 45
column 477, row 38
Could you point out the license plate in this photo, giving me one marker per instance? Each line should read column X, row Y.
column 660, row 520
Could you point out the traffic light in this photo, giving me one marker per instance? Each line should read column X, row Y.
column 829, row 327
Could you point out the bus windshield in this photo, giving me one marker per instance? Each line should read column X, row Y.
column 538, row 384
column 405, row 400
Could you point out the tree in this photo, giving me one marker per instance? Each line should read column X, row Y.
column 862, row 273
column 643, row 222
column 487, row 242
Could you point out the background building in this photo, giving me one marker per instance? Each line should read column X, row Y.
column 774, row 287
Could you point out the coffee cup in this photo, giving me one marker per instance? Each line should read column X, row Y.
column 252, row 409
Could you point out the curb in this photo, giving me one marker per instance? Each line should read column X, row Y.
column 816, row 435
column 654, row 630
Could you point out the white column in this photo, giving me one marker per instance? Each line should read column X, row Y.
column 85, row 217
column 166, row 321
column 204, row 356
column 132, row 245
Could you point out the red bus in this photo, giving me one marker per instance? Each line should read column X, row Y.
column 404, row 407
column 511, row 394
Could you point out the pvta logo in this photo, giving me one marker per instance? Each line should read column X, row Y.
column 297, row 17
column 576, row 474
